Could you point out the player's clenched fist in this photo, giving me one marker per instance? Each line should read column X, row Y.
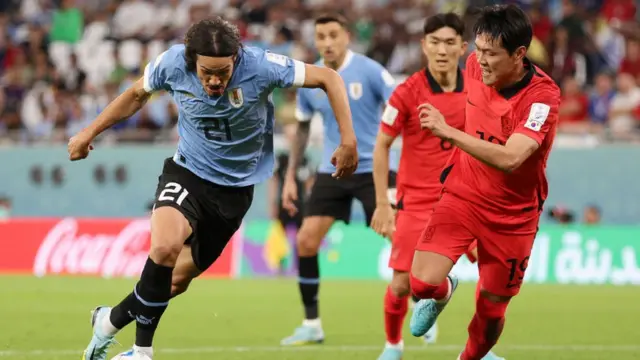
column 345, row 159
column 432, row 119
column 383, row 221
column 80, row 145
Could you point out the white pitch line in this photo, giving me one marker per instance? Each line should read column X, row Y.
column 338, row 348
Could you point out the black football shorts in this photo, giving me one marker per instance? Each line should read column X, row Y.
column 215, row 212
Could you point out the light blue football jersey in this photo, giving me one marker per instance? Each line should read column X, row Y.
column 369, row 86
column 228, row 139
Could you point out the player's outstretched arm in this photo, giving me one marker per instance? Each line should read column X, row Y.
column 124, row 106
column 330, row 81
column 383, row 221
column 381, row 167
column 345, row 158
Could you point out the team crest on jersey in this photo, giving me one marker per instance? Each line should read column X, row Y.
column 507, row 127
column 355, row 90
column 235, row 97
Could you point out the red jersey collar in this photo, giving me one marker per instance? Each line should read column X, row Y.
column 437, row 89
column 510, row 91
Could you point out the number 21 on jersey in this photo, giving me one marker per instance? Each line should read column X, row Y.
column 212, row 129
column 173, row 192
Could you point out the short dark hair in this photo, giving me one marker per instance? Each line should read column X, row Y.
column 332, row 17
column 439, row 21
column 214, row 37
column 506, row 23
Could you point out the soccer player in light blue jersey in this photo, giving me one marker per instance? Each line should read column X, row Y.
column 226, row 121
column 369, row 86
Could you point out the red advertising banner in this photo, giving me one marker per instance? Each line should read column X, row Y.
column 84, row 246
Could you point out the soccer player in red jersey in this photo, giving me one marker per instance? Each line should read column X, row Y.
column 422, row 160
column 494, row 184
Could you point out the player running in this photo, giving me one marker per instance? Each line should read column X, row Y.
column 369, row 86
column 422, row 160
column 495, row 184
column 226, row 146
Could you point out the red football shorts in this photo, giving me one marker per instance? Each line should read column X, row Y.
column 409, row 227
column 503, row 254
column 470, row 255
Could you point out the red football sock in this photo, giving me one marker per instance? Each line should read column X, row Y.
column 427, row 291
column 485, row 329
column 395, row 310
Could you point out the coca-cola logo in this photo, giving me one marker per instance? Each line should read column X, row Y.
column 121, row 253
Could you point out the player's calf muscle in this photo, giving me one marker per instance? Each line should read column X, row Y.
column 169, row 230
column 179, row 284
column 184, row 271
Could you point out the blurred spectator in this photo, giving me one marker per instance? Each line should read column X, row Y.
column 610, row 42
column 61, row 61
column 573, row 108
column 561, row 215
column 600, row 101
column 9, row 5
column 622, row 121
column 619, row 10
column 538, row 53
column 572, row 22
column 134, row 19
column 564, row 58
column 591, row 215
column 74, row 77
column 254, row 11
column 11, row 96
column 631, row 62
column 67, row 24
column 160, row 113
column 283, row 42
column 542, row 26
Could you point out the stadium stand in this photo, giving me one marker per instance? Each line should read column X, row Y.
column 62, row 61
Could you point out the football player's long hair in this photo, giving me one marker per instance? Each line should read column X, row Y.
column 211, row 37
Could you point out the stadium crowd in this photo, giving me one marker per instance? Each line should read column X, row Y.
column 62, row 61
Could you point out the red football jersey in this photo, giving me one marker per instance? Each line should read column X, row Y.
column 423, row 155
column 529, row 107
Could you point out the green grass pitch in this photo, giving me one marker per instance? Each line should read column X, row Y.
column 48, row 318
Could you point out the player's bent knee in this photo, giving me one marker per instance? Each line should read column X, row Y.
column 492, row 306
column 165, row 255
column 430, row 267
column 400, row 284
column 308, row 242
